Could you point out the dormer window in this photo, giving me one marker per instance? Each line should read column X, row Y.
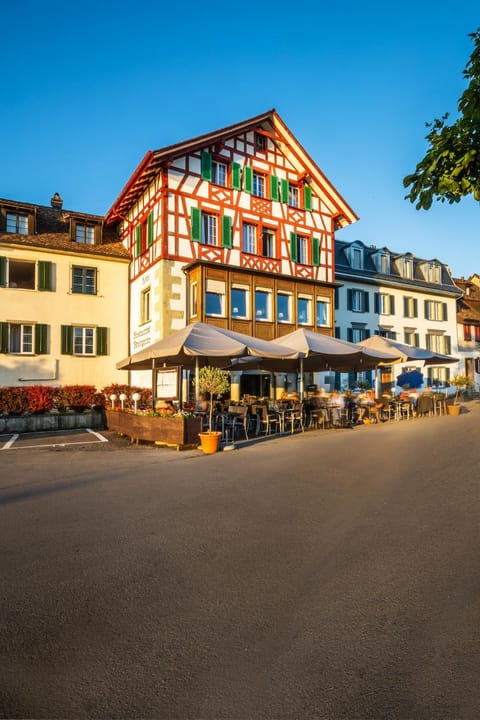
column 382, row 261
column 433, row 272
column 17, row 223
column 85, row 233
column 356, row 258
column 408, row 268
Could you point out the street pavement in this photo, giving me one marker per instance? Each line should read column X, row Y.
column 330, row 574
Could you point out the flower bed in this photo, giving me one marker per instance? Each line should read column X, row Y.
column 178, row 429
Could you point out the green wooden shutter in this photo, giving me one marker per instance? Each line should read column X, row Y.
column 337, row 332
column 206, row 166
column 3, row 271
column 67, row 340
column 4, row 337
column 415, row 307
column 392, row 304
column 448, row 345
column 366, row 301
column 350, row 334
column 195, row 224
column 44, row 275
column 367, row 334
column 226, row 231
column 307, row 197
column 376, row 303
column 336, row 299
column 248, row 179
column 236, row 176
column 284, row 188
column 445, row 311
column 349, row 299
column 101, row 340
column 416, row 339
column 427, row 315
column 315, row 251
column 41, row 339
column 293, row 247
column 150, row 229
column 405, row 306
column 273, row 187
column 138, row 240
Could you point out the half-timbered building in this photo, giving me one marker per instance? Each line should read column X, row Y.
column 235, row 228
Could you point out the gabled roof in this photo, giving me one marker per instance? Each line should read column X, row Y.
column 62, row 242
column 271, row 123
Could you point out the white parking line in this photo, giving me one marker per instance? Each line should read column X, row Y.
column 10, row 442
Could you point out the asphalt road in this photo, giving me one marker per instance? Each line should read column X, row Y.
column 327, row 575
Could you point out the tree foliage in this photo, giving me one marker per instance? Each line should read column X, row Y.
column 450, row 169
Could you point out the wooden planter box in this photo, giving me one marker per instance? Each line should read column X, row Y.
column 180, row 432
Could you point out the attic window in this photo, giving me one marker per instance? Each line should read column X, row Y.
column 85, row 234
column 17, row 223
column 260, row 142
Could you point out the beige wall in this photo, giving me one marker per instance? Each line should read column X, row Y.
column 107, row 308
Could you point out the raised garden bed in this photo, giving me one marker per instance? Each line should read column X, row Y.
column 54, row 421
column 179, row 432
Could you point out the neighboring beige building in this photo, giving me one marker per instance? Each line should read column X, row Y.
column 63, row 297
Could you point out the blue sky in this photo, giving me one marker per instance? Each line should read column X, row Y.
column 89, row 87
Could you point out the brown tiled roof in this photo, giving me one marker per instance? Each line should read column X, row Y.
column 63, row 242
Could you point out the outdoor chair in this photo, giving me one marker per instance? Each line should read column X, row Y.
column 424, row 406
column 295, row 418
column 269, row 421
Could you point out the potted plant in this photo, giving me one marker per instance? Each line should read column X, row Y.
column 461, row 383
column 212, row 381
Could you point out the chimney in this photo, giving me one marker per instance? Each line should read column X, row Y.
column 56, row 202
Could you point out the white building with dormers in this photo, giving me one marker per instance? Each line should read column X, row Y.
column 399, row 296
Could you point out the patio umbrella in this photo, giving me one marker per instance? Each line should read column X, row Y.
column 214, row 345
column 199, row 343
column 409, row 353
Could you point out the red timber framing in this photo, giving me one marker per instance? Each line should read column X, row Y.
column 247, row 196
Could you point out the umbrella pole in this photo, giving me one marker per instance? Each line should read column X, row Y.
column 301, row 379
column 197, row 378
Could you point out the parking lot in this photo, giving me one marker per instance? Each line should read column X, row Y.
column 35, row 441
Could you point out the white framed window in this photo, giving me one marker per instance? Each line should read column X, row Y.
column 434, row 310
column 437, row 342
column 411, row 337
column 433, row 273
column 194, row 299
column 302, row 250
column 239, row 301
column 384, row 264
column 85, row 234
column 20, row 339
column 304, row 310
column 356, row 334
column 215, row 298
column 293, row 195
column 268, row 242
column 145, row 308
column 219, row 173
column 356, row 258
column 263, row 304
column 410, row 307
column 258, row 187
column 17, row 223
column 322, row 308
column 21, row 274
column 84, row 280
column 438, row 375
column 284, row 307
column 385, row 304
column 408, row 268
column 83, row 338
column 209, row 229
column 358, row 300
column 249, row 238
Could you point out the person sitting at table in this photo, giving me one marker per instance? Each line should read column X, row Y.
column 369, row 408
column 318, row 406
column 337, row 407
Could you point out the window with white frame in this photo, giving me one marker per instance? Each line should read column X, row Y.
column 387, row 333
column 438, row 342
column 258, row 187
column 145, row 308
column 85, row 233
column 433, row 273
column 438, row 375
column 263, row 304
column 17, row 223
column 268, row 242
column 302, row 250
column 356, row 258
column 284, row 307
column 304, row 310
column 21, row 274
column 384, row 264
column 357, row 333
column 249, row 238
column 84, row 280
column 323, row 312
column 215, row 298
column 83, row 338
column 385, row 304
column 209, row 229
column 410, row 307
column 358, row 300
column 435, row 310
column 239, row 301
column 411, row 337
column 293, row 195
column 408, row 268
column 219, row 173
column 20, row 338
